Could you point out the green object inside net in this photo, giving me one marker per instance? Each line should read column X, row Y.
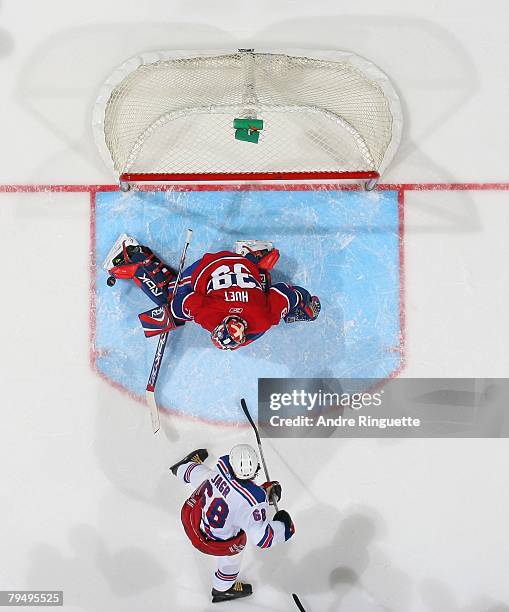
column 248, row 130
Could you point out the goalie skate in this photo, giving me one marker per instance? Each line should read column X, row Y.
column 117, row 249
column 243, row 247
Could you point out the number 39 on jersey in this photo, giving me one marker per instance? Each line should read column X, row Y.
column 238, row 276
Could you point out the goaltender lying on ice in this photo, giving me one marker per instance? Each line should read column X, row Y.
column 228, row 293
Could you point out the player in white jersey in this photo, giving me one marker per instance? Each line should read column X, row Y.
column 228, row 508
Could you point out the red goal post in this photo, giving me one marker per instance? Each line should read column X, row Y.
column 292, row 115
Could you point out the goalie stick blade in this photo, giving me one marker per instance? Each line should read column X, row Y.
column 167, row 425
column 154, row 411
column 298, row 602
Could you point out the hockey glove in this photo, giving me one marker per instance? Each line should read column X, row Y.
column 307, row 309
column 283, row 517
column 273, row 490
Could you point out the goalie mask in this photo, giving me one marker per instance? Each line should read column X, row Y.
column 229, row 334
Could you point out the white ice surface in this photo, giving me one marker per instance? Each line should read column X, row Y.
column 87, row 504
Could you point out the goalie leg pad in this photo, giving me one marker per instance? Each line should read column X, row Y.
column 269, row 260
column 122, row 242
column 260, row 252
column 124, row 271
column 244, row 247
column 139, row 263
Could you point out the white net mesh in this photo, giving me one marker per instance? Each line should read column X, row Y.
column 176, row 116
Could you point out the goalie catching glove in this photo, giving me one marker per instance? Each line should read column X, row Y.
column 307, row 309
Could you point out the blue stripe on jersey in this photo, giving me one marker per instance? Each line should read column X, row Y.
column 246, row 487
column 252, row 337
column 256, row 491
column 206, row 529
column 235, row 486
column 289, row 292
column 267, row 539
column 184, row 289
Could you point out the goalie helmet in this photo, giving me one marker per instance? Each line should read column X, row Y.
column 244, row 462
column 229, row 334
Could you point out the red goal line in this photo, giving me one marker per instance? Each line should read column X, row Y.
column 384, row 186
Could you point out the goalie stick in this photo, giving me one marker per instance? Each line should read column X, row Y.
column 258, row 440
column 158, row 358
column 298, row 602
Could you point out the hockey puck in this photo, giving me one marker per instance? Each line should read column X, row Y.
column 111, row 281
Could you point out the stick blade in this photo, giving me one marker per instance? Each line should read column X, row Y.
column 298, row 602
column 245, row 410
column 154, row 411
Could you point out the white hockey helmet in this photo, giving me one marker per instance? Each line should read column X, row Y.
column 244, row 461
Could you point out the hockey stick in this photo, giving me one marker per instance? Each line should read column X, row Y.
column 249, row 418
column 158, row 358
column 298, row 602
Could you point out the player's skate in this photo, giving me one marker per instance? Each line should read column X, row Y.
column 237, row 591
column 198, row 456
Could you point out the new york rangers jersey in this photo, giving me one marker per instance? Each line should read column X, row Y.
column 232, row 505
column 226, row 283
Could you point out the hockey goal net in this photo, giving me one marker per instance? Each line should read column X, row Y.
column 247, row 116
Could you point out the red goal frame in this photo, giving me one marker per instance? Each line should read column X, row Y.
column 140, row 177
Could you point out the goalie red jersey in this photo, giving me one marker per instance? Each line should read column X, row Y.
column 226, row 284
